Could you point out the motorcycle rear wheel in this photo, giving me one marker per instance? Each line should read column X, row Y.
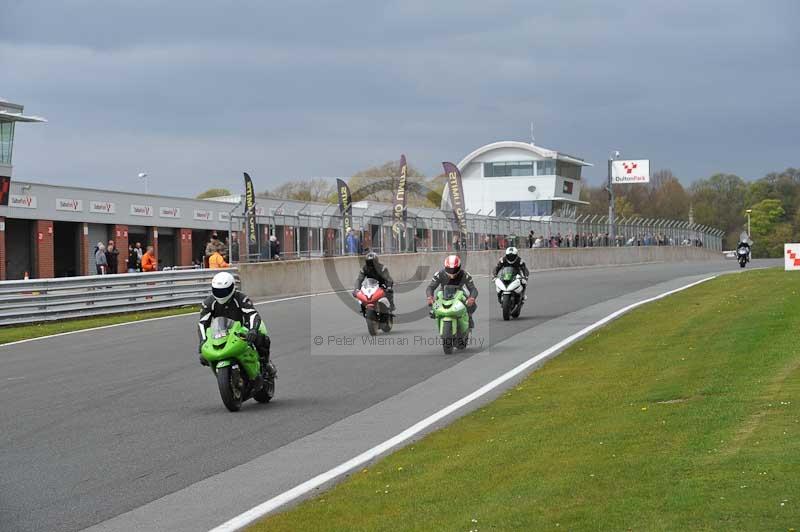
column 230, row 388
column 266, row 392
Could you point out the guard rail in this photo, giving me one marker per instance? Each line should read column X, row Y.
column 39, row 300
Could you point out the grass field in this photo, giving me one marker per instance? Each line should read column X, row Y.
column 682, row 415
column 25, row 332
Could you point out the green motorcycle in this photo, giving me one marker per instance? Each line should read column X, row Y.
column 452, row 319
column 235, row 363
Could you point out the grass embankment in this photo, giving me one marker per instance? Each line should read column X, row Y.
column 682, row 415
column 24, row 332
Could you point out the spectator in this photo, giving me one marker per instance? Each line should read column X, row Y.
column 539, row 242
column 133, row 259
column 217, row 262
column 274, row 248
column 112, row 257
column 100, row 261
column 487, row 243
column 456, row 242
column 215, row 244
column 139, row 254
column 149, row 263
column 351, row 242
column 531, row 239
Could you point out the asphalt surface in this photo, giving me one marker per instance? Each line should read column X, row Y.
column 100, row 423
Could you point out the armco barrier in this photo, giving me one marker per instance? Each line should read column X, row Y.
column 339, row 273
column 74, row 297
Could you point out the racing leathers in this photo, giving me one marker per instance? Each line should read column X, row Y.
column 237, row 308
column 462, row 279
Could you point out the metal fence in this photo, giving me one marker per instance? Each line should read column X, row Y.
column 72, row 297
column 320, row 234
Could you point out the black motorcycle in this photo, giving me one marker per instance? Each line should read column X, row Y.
column 743, row 255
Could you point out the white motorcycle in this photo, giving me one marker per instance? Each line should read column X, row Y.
column 510, row 286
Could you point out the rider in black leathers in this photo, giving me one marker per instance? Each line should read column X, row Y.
column 512, row 259
column 237, row 307
column 373, row 269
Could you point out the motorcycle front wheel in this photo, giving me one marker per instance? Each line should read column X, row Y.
column 230, row 388
column 506, row 307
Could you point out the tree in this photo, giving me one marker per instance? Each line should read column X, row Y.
column 719, row 201
column 378, row 183
column 317, row 190
column 769, row 232
column 214, row 193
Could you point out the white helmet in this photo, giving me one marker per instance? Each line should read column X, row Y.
column 223, row 285
column 512, row 254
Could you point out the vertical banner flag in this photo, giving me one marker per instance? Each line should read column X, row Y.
column 250, row 207
column 399, row 208
column 5, row 188
column 345, row 204
column 457, row 198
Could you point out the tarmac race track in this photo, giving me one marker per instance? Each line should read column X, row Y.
column 100, row 423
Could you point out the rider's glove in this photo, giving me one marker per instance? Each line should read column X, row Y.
column 355, row 293
column 389, row 289
column 252, row 336
column 200, row 347
column 430, row 301
column 470, row 301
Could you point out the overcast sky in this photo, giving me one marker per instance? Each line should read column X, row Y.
column 195, row 92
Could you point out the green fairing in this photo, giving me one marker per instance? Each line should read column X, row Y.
column 451, row 311
column 232, row 348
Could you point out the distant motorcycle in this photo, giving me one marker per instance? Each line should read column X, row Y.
column 743, row 255
column 510, row 286
column 375, row 307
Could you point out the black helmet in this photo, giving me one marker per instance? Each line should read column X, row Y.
column 371, row 258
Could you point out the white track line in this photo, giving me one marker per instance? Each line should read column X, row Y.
column 272, row 504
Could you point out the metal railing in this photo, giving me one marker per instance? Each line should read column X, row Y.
column 322, row 235
column 77, row 297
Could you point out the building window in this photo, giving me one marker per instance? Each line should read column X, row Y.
column 524, row 209
column 6, row 141
column 571, row 171
column 508, row 169
column 546, row 168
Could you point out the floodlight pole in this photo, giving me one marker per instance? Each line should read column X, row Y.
column 612, row 233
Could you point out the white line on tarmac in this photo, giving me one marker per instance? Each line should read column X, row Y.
column 276, row 502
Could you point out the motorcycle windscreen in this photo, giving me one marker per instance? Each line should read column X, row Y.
column 369, row 283
column 220, row 327
column 507, row 274
column 450, row 291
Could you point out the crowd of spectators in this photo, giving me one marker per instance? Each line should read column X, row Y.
column 590, row 239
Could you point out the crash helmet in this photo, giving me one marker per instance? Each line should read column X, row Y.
column 223, row 286
column 512, row 254
column 452, row 265
column 371, row 258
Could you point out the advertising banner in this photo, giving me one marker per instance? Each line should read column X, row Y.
column 102, row 207
column 345, row 204
column 399, row 212
column 791, row 257
column 457, row 198
column 250, row 207
column 633, row 171
column 141, row 210
column 169, row 212
column 72, row 205
column 22, row 201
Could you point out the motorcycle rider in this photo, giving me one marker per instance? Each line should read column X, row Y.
column 513, row 260
column 453, row 274
column 228, row 302
column 373, row 269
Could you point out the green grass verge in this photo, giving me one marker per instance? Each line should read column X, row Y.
column 682, row 415
column 25, row 332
